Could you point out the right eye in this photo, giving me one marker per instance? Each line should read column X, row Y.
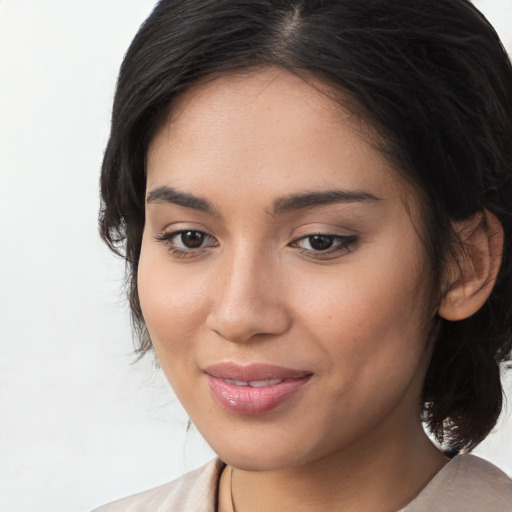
column 186, row 242
column 190, row 239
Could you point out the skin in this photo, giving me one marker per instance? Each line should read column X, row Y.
column 358, row 318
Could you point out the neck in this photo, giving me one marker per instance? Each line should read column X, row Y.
column 378, row 476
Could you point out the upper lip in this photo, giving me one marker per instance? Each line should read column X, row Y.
column 253, row 372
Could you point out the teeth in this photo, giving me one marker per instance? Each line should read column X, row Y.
column 236, row 382
column 261, row 383
column 254, row 383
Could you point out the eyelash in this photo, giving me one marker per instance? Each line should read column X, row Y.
column 168, row 239
column 339, row 244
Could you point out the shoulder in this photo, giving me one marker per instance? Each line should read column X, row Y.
column 466, row 484
column 195, row 492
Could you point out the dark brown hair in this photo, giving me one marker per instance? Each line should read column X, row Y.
column 432, row 78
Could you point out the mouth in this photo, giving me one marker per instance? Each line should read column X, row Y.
column 253, row 389
column 254, row 383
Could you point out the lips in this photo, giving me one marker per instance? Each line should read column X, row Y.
column 254, row 383
column 253, row 389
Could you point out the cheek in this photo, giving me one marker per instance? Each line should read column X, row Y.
column 363, row 298
column 371, row 314
column 171, row 303
column 372, row 336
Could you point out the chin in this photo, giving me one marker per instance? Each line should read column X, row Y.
column 255, row 462
column 269, row 454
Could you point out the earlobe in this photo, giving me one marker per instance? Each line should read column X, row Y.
column 471, row 277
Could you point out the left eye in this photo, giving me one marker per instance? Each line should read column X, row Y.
column 325, row 243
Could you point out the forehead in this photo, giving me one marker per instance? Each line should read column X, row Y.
column 246, row 91
column 253, row 128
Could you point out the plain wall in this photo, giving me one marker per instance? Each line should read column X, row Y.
column 79, row 424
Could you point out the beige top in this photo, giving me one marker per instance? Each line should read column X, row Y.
column 466, row 484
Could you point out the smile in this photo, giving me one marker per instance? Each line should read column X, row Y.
column 253, row 389
column 254, row 383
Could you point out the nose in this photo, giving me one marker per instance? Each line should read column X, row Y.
column 248, row 299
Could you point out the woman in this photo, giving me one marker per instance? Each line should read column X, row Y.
column 313, row 199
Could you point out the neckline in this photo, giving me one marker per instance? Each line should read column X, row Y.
column 439, row 476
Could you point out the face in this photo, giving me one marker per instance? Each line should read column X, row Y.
column 281, row 275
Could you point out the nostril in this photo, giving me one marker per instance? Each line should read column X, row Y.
column 243, row 324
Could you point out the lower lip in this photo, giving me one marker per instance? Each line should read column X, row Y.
column 248, row 400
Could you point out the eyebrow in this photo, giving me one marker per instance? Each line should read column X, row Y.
column 293, row 202
column 314, row 199
column 170, row 195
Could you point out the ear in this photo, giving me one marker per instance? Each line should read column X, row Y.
column 472, row 275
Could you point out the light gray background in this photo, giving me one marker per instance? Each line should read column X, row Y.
column 80, row 425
